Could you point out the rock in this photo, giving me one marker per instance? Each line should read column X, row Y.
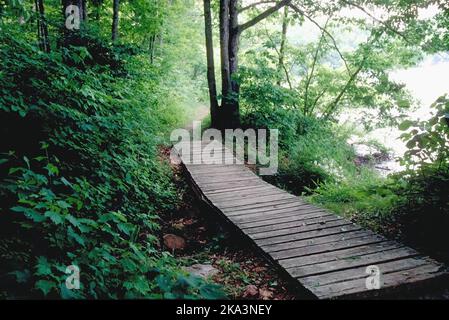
column 174, row 242
column 251, row 291
column 202, row 270
column 265, row 294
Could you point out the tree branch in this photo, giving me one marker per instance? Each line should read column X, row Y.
column 263, row 15
column 287, row 76
column 351, row 79
column 255, row 4
column 301, row 12
column 309, row 76
column 384, row 23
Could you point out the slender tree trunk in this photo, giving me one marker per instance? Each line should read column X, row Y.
column 224, row 55
column 234, row 37
column 152, row 47
column 42, row 26
column 281, row 66
column 211, row 66
column 83, row 12
column 115, row 18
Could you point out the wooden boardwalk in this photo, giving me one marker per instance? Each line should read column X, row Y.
column 328, row 255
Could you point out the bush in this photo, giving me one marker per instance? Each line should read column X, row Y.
column 80, row 180
column 311, row 150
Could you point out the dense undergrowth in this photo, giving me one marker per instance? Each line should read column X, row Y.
column 80, row 179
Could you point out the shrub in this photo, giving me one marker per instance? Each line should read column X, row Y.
column 80, row 180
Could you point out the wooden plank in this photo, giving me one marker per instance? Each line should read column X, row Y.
column 274, row 220
column 210, row 193
column 290, row 241
column 342, row 254
column 360, row 272
column 389, row 280
column 220, row 175
column 229, row 185
column 215, row 168
column 359, row 239
column 246, row 195
column 306, row 235
column 261, row 218
column 251, row 202
column 258, row 206
column 298, row 229
column 268, row 208
column 308, row 242
column 288, row 222
column 364, row 260
column 229, row 179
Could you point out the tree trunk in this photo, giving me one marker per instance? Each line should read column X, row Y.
column 283, row 41
column 211, row 66
column 83, row 12
column 230, row 31
column 42, row 27
column 224, row 55
column 115, row 18
column 152, row 47
column 234, row 37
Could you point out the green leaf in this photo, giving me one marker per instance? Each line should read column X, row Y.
column 27, row 161
column 52, row 169
column 406, row 124
column 75, row 236
column 45, row 286
column 64, row 205
column 43, row 268
column 54, row 216
column 29, row 213
column 126, row 228
column 22, row 276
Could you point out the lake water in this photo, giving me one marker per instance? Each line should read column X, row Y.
column 426, row 82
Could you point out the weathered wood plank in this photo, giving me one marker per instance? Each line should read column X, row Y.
column 298, row 229
column 257, row 207
column 353, row 240
column 261, row 218
column 389, row 280
column 260, row 192
column 251, row 202
column 360, row 272
column 268, row 208
column 289, row 222
column 364, row 260
column 271, row 242
column 342, row 254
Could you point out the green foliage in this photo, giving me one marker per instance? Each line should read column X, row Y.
column 80, row 179
column 428, row 141
column 368, row 198
column 311, row 150
column 425, row 206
